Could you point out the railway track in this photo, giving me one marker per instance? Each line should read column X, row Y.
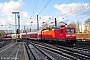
column 36, row 53
column 4, row 43
column 85, row 42
column 63, row 52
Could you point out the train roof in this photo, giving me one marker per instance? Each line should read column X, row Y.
column 55, row 28
column 50, row 29
column 58, row 28
column 22, row 33
column 32, row 32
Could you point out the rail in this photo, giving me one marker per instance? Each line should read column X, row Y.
column 65, row 52
column 37, row 53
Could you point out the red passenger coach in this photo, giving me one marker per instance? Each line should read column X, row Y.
column 29, row 35
column 33, row 35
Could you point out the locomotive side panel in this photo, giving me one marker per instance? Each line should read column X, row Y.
column 48, row 34
column 62, row 35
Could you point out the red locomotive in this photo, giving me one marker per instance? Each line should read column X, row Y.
column 63, row 35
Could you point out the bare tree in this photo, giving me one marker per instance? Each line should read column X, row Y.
column 45, row 25
column 72, row 24
column 78, row 26
column 87, row 25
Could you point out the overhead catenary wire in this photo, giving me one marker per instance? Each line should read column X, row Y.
column 71, row 12
column 74, row 12
column 44, row 7
column 49, row 11
column 34, row 10
column 70, row 6
column 11, row 24
column 82, row 16
column 77, row 12
column 35, row 7
column 54, row 8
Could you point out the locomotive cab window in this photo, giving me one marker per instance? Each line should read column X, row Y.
column 67, row 30
column 72, row 30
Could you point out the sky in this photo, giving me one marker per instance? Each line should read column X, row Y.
column 63, row 10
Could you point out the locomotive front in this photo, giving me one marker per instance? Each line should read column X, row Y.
column 70, row 36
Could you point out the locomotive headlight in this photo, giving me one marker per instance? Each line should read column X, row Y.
column 67, row 34
column 49, row 33
column 73, row 34
column 38, row 33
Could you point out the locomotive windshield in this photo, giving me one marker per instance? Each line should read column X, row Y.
column 70, row 30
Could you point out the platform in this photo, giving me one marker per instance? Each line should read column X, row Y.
column 14, row 51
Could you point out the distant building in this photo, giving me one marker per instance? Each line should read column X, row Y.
column 8, row 31
column 2, row 33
